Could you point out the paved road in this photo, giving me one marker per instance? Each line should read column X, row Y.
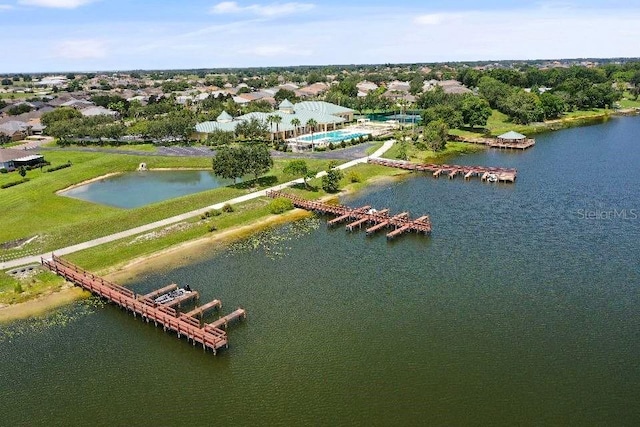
column 174, row 219
column 33, row 144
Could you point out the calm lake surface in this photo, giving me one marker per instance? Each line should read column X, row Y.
column 135, row 189
column 521, row 309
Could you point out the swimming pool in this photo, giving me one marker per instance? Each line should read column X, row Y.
column 332, row 136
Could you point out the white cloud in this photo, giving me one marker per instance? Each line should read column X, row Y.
column 430, row 19
column 5, row 7
column 268, row 11
column 331, row 37
column 80, row 49
column 57, row 4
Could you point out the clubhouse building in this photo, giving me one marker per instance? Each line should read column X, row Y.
column 294, row 119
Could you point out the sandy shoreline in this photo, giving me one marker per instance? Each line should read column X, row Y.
column 110, row 174
column 89, row 181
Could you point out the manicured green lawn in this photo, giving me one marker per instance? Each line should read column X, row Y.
column 33, row 208
column 16, row 95
column 427, row 156
column 499, row 123
column 629, row 103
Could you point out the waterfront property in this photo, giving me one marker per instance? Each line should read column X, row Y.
column 380, row 219
column 487, row 174
column 12, row 159
column 509, row 140
column 294, row 119
column 156, row 306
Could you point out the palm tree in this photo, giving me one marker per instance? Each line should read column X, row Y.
column 295, row 122
column 277, row 119
column 312, row 124
column 270, row 122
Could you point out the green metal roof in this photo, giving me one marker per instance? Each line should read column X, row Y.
column 320, row 111
column 512, row 135
column 286, row 104
column 322, row 106
column 224, row 117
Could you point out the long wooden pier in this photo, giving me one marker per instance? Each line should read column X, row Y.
column 487, row 174
column 378, row 219
column 210, row 336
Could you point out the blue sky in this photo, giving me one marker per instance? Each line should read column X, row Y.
column 88, row 35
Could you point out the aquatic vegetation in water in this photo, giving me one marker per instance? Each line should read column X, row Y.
column 273, row 242
column 57, row 319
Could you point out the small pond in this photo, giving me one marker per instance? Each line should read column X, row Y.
column 135, row 189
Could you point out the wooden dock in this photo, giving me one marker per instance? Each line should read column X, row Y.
column 210, row 336
column 378, row 220
column 487, row 174
column 496, row 143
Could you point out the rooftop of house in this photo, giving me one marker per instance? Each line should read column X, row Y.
column 10, row 154
column 98, row 111
column 13, row 126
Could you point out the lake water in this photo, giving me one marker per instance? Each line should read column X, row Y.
column 521, row 308
column 135, row 189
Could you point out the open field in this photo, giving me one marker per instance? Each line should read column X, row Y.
column 33, row 208
column 245, row 217
column 452, row 149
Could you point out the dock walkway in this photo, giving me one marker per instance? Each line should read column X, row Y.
column 496, row 143
column 483, row 172
column 401, row 223
column 210, row 336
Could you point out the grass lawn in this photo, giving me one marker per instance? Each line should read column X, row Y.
column 427, row 156
column 149, row 148
column 499, row 123
column 28, row 288
column 33, row 208
column 121, row 251
column 14, row 95
column 629, row 103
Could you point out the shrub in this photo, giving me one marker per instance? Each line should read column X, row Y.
column 280, row 205
column 343, row 144
column 3, row 170
column 331, row 181
column 11, row 184
column 354, row 177
column 57, row 168
column 360, row 139
column 209, row 214
column 212, row 228
column 332, row 146
column 227, row 208
column 18, row 288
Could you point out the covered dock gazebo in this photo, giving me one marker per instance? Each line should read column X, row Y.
column 512, row 137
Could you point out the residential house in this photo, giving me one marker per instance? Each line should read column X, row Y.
column 15, row 130
column 11, row 159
